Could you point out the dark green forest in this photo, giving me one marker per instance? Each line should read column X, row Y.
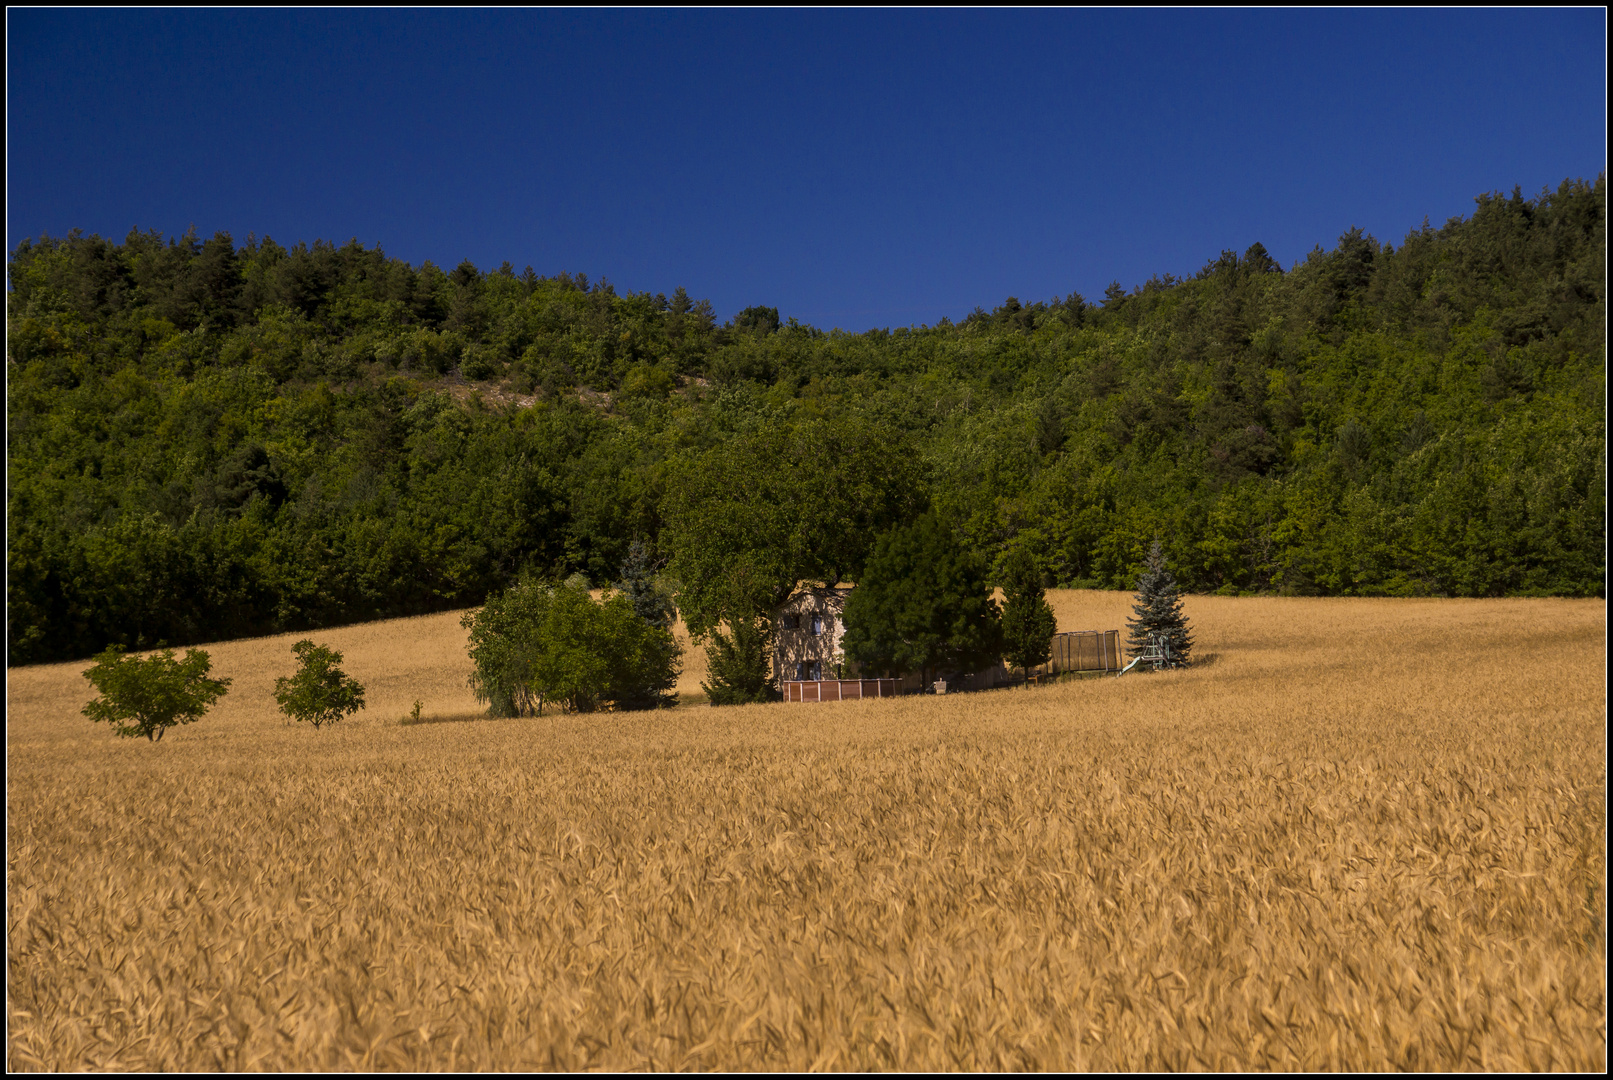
column 210, row 441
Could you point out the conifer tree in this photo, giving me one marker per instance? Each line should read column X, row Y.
column 657, row 689
column 923, row 604
column 1159, row 611
column 1028, row 621
column 638, row 582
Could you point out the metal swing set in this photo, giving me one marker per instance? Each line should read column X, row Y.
column 1157, row 653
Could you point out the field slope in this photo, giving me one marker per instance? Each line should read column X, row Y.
column 1362, row 834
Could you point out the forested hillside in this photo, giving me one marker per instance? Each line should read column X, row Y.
column 210, row 441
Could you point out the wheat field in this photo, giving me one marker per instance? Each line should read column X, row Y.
column 1361, row 834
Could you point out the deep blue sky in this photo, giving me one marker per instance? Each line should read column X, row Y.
column 852, row 168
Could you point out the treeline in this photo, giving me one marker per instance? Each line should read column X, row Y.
column 210, row 441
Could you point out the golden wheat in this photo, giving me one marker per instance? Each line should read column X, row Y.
column 1361, row 834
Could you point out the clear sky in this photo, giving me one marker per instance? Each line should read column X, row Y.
column 852, row 168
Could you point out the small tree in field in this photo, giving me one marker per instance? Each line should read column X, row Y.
column 147, row 697
column 535, row 644
column 320, row 692
column 1028, row 622
column 1159, row 611
column 738, row 665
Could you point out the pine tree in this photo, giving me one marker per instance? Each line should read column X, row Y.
column 658, row 691
column 1027, row 620
column 1159, row 611
column 638, row 582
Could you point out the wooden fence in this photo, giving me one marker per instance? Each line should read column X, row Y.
column 1078, row 650
column 839, row 689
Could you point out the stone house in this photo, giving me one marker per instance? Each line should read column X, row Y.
column 807, row 631
column 806, row 644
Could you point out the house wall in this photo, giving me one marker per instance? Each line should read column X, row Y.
column 794, row 644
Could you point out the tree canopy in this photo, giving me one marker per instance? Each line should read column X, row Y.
column 924, row 604
column 782, row 502
column 210, row 440
column 149, row 696
column 536, row 644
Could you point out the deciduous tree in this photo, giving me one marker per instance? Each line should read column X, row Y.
column 503, row 647
column 539, row 644
column 320, row 692
column 147, row 697
column 748, row 520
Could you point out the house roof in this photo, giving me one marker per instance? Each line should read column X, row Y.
column 835, row 595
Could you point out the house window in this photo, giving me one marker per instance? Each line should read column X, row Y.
column 817, row 624
column 815, row 670
column 792, row 622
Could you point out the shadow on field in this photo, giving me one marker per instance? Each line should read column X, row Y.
column 684, row 701
column 450, row 718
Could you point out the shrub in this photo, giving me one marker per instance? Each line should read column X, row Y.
column 147, row 697
column 320, row 692
column 480, row 363
column 649, row 381
column 535, row 644
column 738, row 664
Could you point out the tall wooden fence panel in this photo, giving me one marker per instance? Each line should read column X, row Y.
column 1085, row 650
